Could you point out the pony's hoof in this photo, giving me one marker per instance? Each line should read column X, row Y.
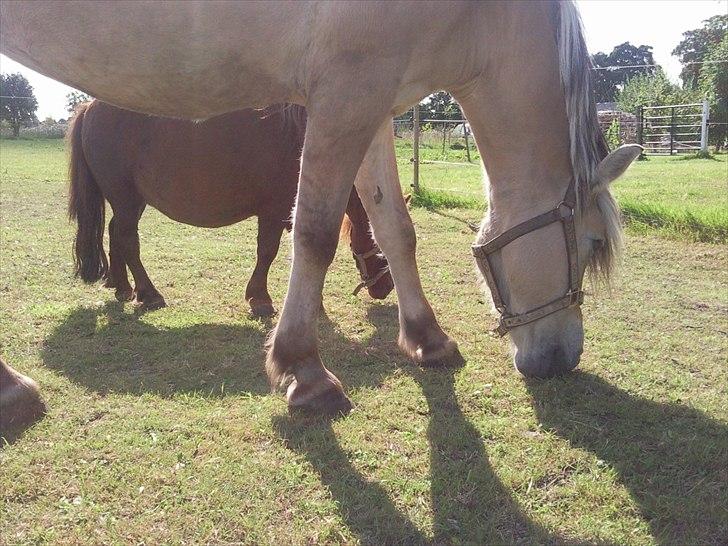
column 329, row 401
column 124, row 294
column 150, row 302
column 262, row 310
column 20, row 406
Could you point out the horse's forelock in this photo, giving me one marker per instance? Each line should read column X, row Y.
column 587, row 144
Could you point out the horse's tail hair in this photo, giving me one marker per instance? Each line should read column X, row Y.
column 87, row 207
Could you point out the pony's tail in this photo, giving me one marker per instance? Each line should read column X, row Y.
column 86, row 206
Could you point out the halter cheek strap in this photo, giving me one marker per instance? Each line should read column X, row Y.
column 564, row 213
column 366, row 280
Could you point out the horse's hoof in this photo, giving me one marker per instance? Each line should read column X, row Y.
column 262, row 310
column 124, row 294
column 150, row 303
column 445, row 356
column 327, row 400
column 20, row 406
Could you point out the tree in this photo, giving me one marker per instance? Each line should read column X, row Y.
column 695, row 46
column 17, row 102
column 607, row 83
column 73, row 99
column 441, row 105
column 652, row 90
column 713, row 83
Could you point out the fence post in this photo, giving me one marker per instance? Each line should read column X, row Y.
column 467, row 142
column 416, row 148
column 640, row 122
column 704, row 127
column 672, row 129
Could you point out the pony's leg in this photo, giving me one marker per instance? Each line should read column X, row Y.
column 117, row 276
column 336, row 142
column 378, row 185
column 127, row 232
column 269, row 239
column 20, row 401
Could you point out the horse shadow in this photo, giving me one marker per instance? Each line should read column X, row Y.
column 670, row 457
column 107, row 350
column 470, row 504
column 673, row 459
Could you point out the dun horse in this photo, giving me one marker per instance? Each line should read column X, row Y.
column 520, row 71
column 208, row 174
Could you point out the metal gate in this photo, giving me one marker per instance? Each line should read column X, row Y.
column 674, row 128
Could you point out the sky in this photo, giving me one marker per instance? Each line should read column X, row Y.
column 607, row 23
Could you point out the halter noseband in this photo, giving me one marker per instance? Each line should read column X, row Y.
column 564, row 213
column 366, row 280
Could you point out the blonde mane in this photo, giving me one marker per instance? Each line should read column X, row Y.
column 587, row 144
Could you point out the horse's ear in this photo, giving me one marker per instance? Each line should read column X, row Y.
column 407, row 199
column 613, row 166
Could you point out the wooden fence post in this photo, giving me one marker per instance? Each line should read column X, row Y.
column 467, row 143
column 640, row 124
column 416, row 148
column 672, row 129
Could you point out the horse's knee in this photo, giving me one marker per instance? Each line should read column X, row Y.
column 319, row 241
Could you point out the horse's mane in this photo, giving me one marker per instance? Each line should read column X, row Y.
column 587, row 144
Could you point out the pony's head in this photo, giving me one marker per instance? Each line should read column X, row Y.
column 370, row 262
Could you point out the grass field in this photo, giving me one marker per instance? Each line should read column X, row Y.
column 681, row 197
column 162, row 429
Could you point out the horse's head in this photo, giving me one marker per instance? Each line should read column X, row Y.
column 535, row 268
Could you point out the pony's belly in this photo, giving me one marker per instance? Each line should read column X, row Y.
column 199, row 202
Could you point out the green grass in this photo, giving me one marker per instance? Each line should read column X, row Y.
column 679, row 197
column 162, row 429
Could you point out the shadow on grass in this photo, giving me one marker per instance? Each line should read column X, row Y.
column 470, row 504
column 673, row 459
column 107, row 350
column 670, row 457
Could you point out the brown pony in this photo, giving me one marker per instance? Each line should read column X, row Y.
column 208, row 174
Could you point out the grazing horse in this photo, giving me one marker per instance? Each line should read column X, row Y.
column 208, row 174
column 520, row 71
column 20, row 402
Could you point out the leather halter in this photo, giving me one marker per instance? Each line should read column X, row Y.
column 366, row 280
column 564, row 213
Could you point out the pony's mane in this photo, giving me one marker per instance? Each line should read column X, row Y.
column 587, row 144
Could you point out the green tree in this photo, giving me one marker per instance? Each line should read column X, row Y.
column 647, row 90
column 73, row 99
column 17, row 102
column 713, row 83
column 607, row 83
column 695, row 46
column 441, row 105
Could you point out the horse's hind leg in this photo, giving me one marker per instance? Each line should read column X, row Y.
column 117, row 276
column 126, row 232
column 269, row 239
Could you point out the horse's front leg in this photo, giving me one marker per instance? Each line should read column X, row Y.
column 420, row 335
column 331, row 157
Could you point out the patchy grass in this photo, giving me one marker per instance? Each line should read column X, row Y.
column 679, row 197
column 162, row 428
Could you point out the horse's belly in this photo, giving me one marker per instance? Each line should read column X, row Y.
column 203, row 205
